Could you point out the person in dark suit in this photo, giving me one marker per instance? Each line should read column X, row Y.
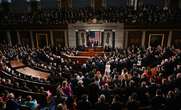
column 93, row 91
column 158, row 101
column 11, row 103
column 84, row 103
column 116, row 104
column 101, row 103
column 133, row 103
column 80, row 89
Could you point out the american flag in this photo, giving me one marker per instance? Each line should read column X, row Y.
column 94, row 36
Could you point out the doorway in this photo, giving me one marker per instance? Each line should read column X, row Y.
column 98, row 4
column 64, row 3
column 156, row 40
column 41, row 40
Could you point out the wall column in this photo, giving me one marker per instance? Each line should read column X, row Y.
column 70, row 3
column 87, row 38
column 131, row 3
column 135, row 4
column 143, row 39
column 169, row 39
column 9, row 38
column 102, row 38
column 18, row 36
column 113, row 39
column 126, row 39
column 103, row 3
column 59, row 3
column 31, row 37
column 66, row 38
column 92, row 3
column 77, row 38
column 51, row 38
column 105, row 37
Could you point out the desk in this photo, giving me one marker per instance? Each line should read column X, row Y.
column 84, row 56
column 34, row 73
column 17, row 63
column 95, row 49
column 81, row 59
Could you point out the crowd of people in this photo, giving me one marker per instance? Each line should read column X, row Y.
column 145, row 15
column 123, row 79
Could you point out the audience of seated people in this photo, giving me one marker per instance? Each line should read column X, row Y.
column 140, row 79
column 143, row 15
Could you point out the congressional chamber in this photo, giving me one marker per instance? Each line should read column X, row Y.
column 90, row 54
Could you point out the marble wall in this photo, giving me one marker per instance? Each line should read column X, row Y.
column 115, row 31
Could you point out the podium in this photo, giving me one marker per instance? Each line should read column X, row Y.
column 83, row 56
column 95, row 51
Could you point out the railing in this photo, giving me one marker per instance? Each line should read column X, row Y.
column 19, row 90
column 84, row 56
column 28, row 81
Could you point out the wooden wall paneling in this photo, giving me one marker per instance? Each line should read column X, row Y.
column 59, row 38
column 134, row 38
column 176, row 39
column 14, row 38
column 3, row 37
column 64, row 3
column 149, row 33
column 37, row 33
column 25, row 38
column 98, row 3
